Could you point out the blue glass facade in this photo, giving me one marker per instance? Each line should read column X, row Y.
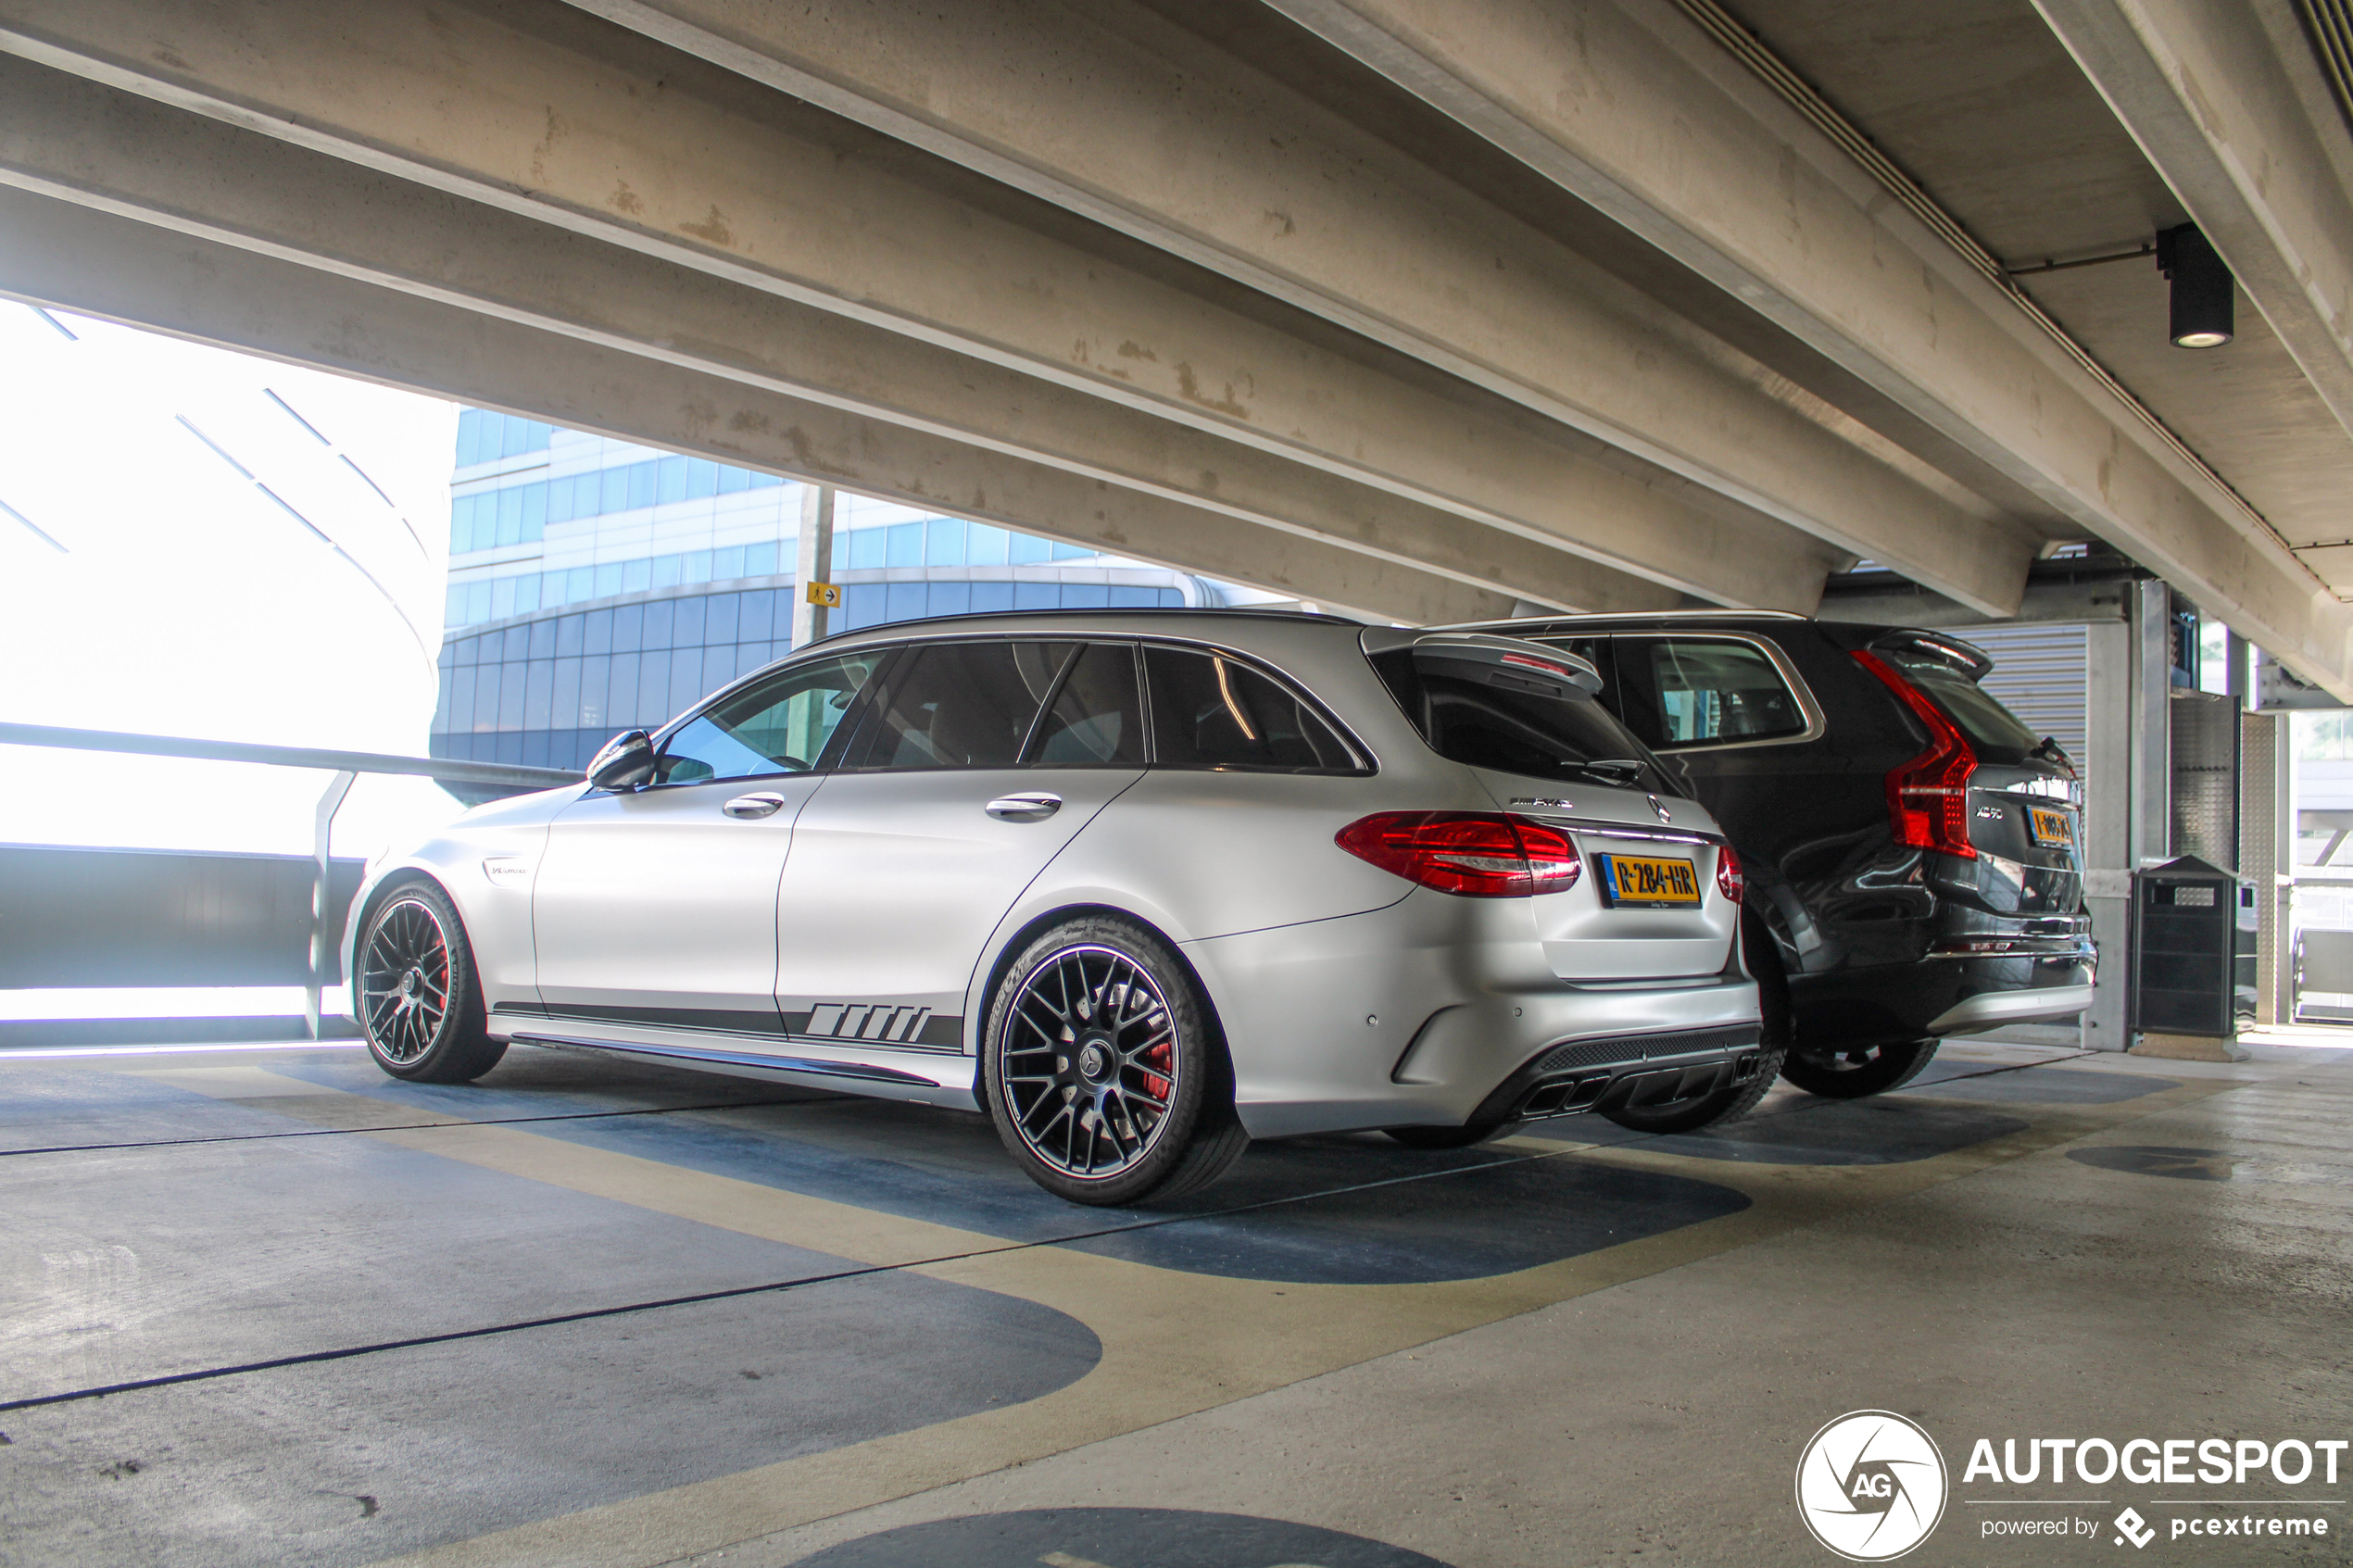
column 550, row 691
column 486, row 437
column 519, row 514
column 686, row 583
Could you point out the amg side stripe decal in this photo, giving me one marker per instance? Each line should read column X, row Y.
column 864, row 1021
column 908, row 1028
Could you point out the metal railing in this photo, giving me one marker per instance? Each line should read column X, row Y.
column 490, row 781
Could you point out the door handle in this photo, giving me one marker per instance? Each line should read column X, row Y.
column 1024, row 808
column 745, row 807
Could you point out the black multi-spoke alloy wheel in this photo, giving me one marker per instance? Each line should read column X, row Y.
column 1864, row 1070
column 1103, row 1070
column 418, row 1004
column 1733, row 1100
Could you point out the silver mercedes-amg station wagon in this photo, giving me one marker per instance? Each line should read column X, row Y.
column 1139, row 886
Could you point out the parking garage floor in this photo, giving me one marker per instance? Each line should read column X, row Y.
column 268, row 1306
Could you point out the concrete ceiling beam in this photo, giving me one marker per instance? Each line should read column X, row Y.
column 552, row 114
column 1112, row 112
column 2246, row 136
column 1637, row 111
column 75, row 257
column 68, row 137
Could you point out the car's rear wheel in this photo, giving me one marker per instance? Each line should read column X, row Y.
column 420, row 1003
column 1103, row 1070
column 1864, row 1070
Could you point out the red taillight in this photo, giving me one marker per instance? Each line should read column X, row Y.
column 1729, row 880
column 1473, row 853
column 1928, row 797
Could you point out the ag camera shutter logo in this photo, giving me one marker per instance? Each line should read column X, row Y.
column 1871, row 1486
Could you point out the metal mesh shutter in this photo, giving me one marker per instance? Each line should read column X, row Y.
column 2040, row 674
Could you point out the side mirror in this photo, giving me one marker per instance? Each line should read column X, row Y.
column 626, row 761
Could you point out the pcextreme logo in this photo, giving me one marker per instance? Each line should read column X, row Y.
column 1871, row 1486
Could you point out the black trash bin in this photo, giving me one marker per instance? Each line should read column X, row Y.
column 2184, row 944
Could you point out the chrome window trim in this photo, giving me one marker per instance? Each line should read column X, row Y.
column 1594, row 828
column 1815, row 725
column 904, row 636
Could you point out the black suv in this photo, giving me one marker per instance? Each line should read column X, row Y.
column 1913, row 851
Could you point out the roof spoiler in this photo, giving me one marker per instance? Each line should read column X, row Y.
column 1969, row 659
column 1498, row 661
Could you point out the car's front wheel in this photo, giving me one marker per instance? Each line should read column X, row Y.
column 418, row 1001
column 1864, row 1070
column 1102, row 1069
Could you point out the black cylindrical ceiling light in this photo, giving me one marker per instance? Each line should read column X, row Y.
column 2205, row 299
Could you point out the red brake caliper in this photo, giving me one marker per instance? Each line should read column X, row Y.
column 1157, row 1062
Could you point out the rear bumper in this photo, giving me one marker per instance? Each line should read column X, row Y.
column 1605, row 1075
column 1992, row 1009
column 1420, row 1014
column 1939, row 996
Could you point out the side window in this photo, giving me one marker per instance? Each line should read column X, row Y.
column 1211, row 712
column 1096, row 718
column 778, row 726
column 958, row 705
column 1704, row 690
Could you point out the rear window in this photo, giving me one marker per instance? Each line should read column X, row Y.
column 1990, row 728
column 1690, row 692
column 1513, row 726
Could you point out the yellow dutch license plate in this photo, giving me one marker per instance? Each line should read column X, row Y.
column 1647, row 882
column 2051, row 829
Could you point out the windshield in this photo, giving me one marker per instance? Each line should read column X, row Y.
column 1992, row 728
column 1517, row 727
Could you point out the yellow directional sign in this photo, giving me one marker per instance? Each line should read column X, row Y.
column 826, row 594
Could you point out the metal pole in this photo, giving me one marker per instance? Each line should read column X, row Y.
column 323, row 828
column 816, row 562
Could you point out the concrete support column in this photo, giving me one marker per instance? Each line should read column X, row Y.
column 816, row 561
column 2152, row 713
column 2265, row 848
column 2107, row 820
column 2128, row 810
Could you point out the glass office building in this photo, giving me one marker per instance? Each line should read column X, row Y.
column 597, row 586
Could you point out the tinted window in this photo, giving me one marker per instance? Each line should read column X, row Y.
column 778, row 726
column 1503, row 722
column 1095, row 717
column 1988, row 725
column 1211, row 712
column 959, row 705
column 1704, row 690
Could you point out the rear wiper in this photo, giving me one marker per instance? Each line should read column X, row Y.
column 1619, row 771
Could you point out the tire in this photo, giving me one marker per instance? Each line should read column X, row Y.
column 1103, row 1070
column 1453, row 1137
column 1734, row 1100
column 416, row 995
column 1867, row 1070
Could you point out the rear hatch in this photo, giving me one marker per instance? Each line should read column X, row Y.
column 1988, row 789
column 1648, row 901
